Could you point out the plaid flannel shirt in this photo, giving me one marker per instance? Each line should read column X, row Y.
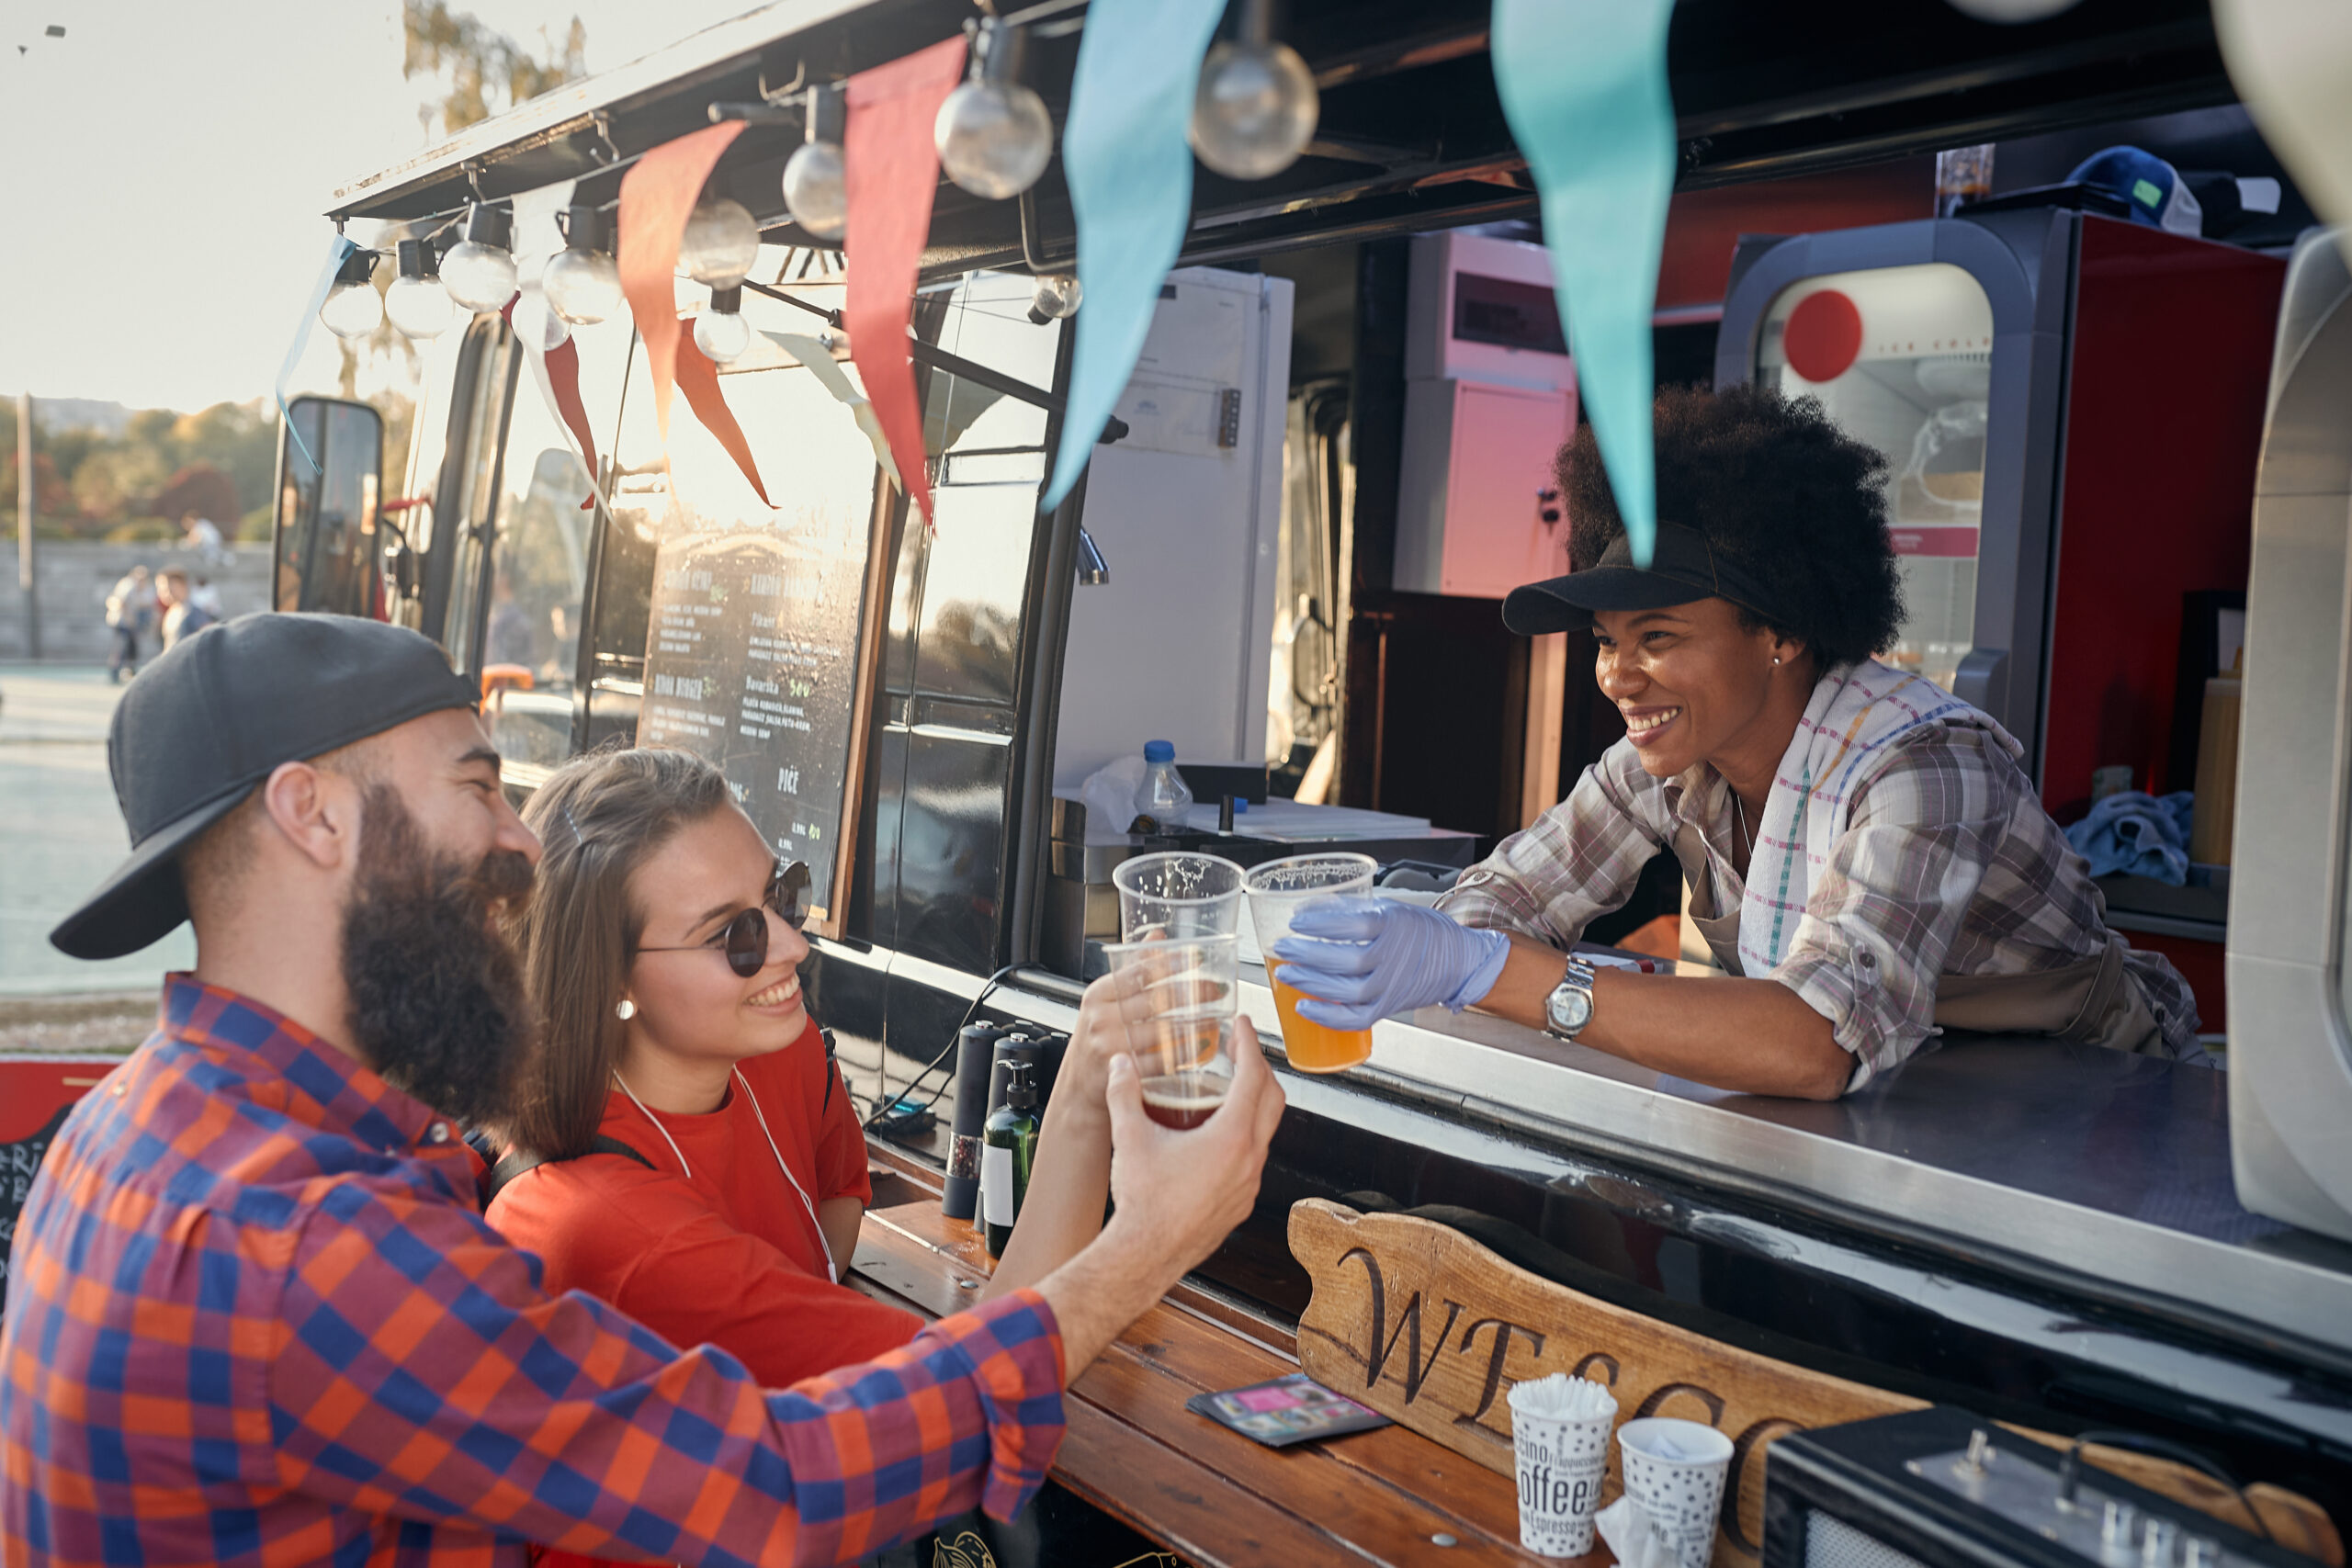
column 1949, row 865
column 254, row 1317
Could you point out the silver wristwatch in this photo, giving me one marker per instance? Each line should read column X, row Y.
column 1569, row 1006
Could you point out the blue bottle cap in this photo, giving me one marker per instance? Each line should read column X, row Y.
column 1159, row 752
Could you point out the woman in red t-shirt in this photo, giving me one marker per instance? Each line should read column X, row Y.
column 661, row 946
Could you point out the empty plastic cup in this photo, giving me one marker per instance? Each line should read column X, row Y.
column 1178, row 894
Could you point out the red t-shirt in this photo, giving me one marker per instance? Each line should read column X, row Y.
column 727, row 1255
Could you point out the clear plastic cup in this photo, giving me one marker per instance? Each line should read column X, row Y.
column 1177, row 999
column 1178, row 896
column 1276, row 890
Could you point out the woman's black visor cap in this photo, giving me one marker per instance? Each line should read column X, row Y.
column 1683, row 568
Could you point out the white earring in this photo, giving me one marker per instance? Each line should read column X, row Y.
column 626, row 1011
column 1776, row 659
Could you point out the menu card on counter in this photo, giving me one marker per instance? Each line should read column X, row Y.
column 756, row 659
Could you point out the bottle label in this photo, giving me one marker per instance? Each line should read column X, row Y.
column 996, row 1185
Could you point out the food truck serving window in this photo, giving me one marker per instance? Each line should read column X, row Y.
column 1902, row 357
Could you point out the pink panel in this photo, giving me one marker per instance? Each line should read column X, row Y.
column 1504, row 441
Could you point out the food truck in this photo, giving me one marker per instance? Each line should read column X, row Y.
column 1333, row 457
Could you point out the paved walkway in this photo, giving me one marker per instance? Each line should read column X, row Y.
column 60, row 833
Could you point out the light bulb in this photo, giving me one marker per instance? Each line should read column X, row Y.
column 994, row 138
column 1254, row 111
column 536, row 323
column 416, row 303
column 721, row 242
column 477, row 277
column 419, row 306
column 584, row 286
column 1056, row 299
column 479, row 270
column 353, row 309
column 722, row 336
column 816, row 191
column 582, row 281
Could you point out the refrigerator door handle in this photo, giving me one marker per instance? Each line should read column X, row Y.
column 1983, row 672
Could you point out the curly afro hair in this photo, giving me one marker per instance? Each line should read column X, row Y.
column 1800, row 504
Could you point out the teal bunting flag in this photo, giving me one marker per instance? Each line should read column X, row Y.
column 337, row 248
column 1583, row 85
column 1130, row 173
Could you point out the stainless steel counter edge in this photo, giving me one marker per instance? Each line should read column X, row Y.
column 1543, row 1089
column 1513, row 1077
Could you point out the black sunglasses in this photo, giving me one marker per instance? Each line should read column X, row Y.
column 745, row 938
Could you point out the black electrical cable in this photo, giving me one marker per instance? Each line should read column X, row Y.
column 954, row 1038
column 2161, row 1448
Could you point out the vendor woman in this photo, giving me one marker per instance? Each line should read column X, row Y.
column 1866, row 858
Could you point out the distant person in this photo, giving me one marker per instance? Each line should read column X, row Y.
column 255, row 1314
column 201, row 534
column 182, row 616
column 130, row 614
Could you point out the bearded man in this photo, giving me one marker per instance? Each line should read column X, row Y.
column 254, row 1313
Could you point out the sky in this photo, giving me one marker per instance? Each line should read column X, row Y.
column 163, row 167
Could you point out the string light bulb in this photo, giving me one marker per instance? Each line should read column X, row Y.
column 994, row 134
column 722, row 333
column 582, row 281
column 721, row 242
column 479, row 271
column 353, row 309
column 1055, row 298
column 816, row 186
column 1256, row 107
column 535, row 321
column 416, row 303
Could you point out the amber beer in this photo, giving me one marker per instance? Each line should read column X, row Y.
column 1314, row 1047
column 1276, row 890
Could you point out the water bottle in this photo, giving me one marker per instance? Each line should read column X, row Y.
column 1163, row 795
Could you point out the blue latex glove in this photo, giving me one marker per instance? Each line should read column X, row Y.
column 1357, row 960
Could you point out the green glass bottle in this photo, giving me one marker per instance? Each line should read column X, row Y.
column 1009, row 1147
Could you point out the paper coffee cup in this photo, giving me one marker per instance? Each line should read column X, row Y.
column 1674, row 1471
column 1559, row 1427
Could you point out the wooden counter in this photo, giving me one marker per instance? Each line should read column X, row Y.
column 1205, row 1491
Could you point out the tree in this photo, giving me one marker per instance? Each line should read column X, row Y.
column 486, row 71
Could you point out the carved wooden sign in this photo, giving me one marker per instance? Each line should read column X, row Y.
column 1425, row 1325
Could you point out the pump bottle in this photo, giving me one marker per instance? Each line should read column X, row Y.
column 1011, row 1145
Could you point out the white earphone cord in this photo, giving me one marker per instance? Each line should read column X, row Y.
column 824, row 1248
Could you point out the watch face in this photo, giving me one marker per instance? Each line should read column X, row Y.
column 1569, row 1008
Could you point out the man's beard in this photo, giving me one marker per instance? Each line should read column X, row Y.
column 437, row 1001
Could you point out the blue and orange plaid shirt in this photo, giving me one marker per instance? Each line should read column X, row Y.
column 255, row 1317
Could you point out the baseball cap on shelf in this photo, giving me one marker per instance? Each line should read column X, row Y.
column 202, row 727
column 2158, row 195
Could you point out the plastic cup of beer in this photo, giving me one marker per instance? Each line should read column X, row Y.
column 1176, row 1002
column 1276, row 890
column 1178, row 896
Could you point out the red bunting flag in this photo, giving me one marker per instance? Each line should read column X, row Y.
column 561, row 365
column 698, row 378
column 892, row 172
column 658, row 194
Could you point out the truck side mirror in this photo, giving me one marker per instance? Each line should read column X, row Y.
column 329, row 472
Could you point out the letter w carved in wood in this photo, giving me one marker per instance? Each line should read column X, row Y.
column 1381, row 1344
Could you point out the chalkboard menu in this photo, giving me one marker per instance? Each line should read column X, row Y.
column 756, row 657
